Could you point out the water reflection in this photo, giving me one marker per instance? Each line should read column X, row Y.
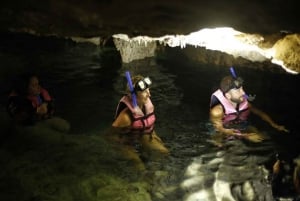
column 87, row 82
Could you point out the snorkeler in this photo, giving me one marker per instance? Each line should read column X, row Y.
column 29, row 103
column 133, row 126
column 286, row 176
column 229, row 111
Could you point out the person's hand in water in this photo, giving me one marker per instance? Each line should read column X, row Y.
column 253, row 137
column 42, row 109
column 280, row 128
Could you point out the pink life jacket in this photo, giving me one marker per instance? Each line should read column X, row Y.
column 232, row 114
column 141, row 123
column 37, row 100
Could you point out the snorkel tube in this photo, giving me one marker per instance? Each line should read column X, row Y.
column 232, row 71
column 248, row 97
column 133, row 96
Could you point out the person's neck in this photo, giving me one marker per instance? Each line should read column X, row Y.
column 234, row 104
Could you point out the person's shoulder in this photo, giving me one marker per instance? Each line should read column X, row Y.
column 214, row 101
column 217, row 110
column 123, row 119
column 44, row 91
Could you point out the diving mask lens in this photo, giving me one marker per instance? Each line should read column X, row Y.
column 238, row 83
column 148, row 81
column 143, row 84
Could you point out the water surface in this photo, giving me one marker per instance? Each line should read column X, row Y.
column 87, row 82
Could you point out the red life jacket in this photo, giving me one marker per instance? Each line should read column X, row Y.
column 18, row 104
column 230, row 113
column 143, row 122
column 37, row 100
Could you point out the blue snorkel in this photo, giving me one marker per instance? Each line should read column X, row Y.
column 232, row 71
column 133, row 95
column 248, row 97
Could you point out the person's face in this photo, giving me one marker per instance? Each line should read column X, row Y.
column 237, row 95
column 142, row 96
column 33, row 86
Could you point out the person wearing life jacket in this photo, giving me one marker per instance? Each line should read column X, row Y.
column 285, row 178
column 30, row 89
column 229, row 111
column 133, row 127
column 40, row 99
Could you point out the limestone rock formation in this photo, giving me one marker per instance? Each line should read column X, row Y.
column 288, row 50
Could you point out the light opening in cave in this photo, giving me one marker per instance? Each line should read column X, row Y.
column 223, row 39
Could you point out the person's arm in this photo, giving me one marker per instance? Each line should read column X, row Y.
column 123, row 119
column 216, row 116
column 120, row 125
column 45, row 95
column 267, row 118
column 47, row 107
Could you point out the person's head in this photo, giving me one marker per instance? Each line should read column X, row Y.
column 27, row 84
column 141, row 88
column 33, row 85
column 233, row 89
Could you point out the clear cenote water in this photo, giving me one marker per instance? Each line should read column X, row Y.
column 87, row 82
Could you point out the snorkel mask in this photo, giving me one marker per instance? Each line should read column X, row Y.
column 143, row 84
column 238, row 82
column 140, row 85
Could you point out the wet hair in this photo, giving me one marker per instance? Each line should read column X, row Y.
column 229, row 82
column 134, row 80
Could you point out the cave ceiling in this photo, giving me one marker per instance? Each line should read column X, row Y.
column 104, row 18
column 151, row 17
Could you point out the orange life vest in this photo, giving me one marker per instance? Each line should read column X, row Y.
column 142, row 122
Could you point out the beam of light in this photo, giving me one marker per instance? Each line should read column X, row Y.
column 192, row 169
column 222, row 191
column 197, row 182
column 192, row 182
column 198, row 196
column 223, row 39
